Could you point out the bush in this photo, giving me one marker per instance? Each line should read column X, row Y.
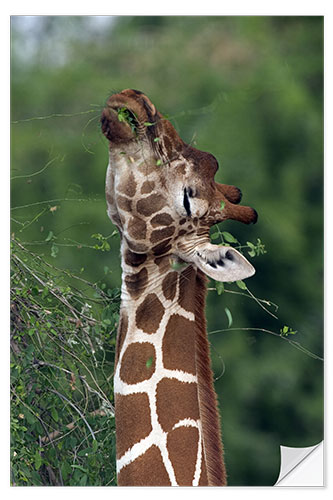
column 62, row 354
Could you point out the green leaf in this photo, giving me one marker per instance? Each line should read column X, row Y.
column 49, row 236
column 229, row 316
column 149, row 362
column 94, row 445
column 177, row 265
column 229, row 237
column 79, row 467
column 54, row 250
column 31, row 419
column 219, row 285
column 83, row 480
column 54, row 414
column 84, row 452
column 38, row 460
column 159, row 162
column 241, row 285
column 222, row 205
column 65, row 470
column 157, row 139
column 148, row 124
column 214, row 236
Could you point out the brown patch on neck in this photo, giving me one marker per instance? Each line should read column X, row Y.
column 182, row 447
column 128, row 186
column 162, row 248
column 147, row 187
column 134, row 259
column 136, row 246
column 148, row 206
column 161, row 234
column 175, row 401
column 124, row 203
column 187, row 281
column 149, row 314
column 147, row 470
column 163, row 219
column 135, row 409
column 163, row 264
column 136, row 282
column 212, row 444
column 137, row 228
column 169, row 285
column 138, row 362
column 179, row 345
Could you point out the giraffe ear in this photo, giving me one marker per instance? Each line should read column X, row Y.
column 223, row 263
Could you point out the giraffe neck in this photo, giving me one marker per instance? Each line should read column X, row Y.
column 166, row 412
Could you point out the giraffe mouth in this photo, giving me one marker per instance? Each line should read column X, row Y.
column 223, row 263
column 127, row 116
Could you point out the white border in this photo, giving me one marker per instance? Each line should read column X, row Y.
column 171, row 7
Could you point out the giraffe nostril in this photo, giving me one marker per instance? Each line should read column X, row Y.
column 229, row 255
column 186, row 203
column 192, row 192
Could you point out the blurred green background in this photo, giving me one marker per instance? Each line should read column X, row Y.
column 250, row 91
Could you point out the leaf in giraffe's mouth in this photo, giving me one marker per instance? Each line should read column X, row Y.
column 127, row 116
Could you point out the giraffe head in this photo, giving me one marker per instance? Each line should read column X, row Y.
column 161, row 192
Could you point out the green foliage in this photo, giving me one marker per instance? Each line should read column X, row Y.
column 256, row 249
column 229, row 316
column 127, row 116
column 286, row 330
column 62, row 353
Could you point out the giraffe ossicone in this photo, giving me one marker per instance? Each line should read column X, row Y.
column 162, row 196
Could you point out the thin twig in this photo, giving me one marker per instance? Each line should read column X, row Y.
column 76, row 409
column 54, row 115
column 297, row 345
column 85, row 200
column 35, row 173
column 74, row 311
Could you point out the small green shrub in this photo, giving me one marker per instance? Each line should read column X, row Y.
column 63, row 331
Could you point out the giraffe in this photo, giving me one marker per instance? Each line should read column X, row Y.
column 161, row 195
